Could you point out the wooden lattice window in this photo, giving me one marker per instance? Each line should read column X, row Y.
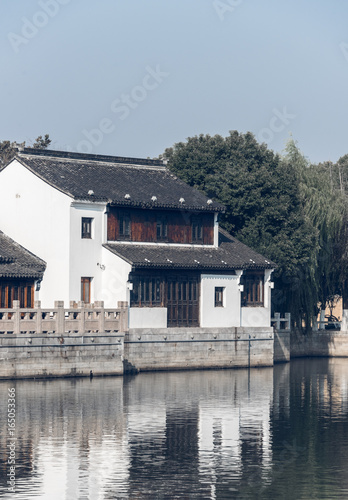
column 22, row 291
column 197, row 230
column 125, row 225
column 253, row 288
column 148, row 291
column 162, row 229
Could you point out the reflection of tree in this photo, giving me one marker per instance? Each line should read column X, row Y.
column 309, row 443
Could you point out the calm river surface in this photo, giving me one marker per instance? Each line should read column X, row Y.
column 271, row 433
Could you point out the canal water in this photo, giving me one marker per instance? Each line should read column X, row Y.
column 270, row 433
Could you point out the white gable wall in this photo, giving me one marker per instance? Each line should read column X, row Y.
column 86, row 254
column 37, row 216
column 229, row 314
column 114, row 279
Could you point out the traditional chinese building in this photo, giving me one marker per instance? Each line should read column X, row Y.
column 126, row 229
column 20, row 273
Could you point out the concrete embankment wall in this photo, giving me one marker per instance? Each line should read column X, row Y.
column 324, row 344
column 195, row 348
column 281, row 347
column 52, row 355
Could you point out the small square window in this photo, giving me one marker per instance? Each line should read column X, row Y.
column 219, row 296
column 86, row 228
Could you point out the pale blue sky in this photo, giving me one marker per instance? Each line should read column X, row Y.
column 271, row 67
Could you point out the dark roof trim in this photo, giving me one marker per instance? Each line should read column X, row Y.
column 170, row 206
column 91, row 157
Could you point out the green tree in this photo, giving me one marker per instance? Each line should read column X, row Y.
column 284, row 208
column 8, row 149
column 42, row 142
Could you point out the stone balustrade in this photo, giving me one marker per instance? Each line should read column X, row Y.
column 281, row 324
column 78, row 318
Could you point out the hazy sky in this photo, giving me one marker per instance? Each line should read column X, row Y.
column 132, row 77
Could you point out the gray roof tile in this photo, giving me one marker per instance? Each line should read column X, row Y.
column 112, row 178
column 230, row 255
column 18, row 262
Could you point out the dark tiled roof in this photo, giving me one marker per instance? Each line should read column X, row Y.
column 17, row 262
column 112, row 178
column 228, row 256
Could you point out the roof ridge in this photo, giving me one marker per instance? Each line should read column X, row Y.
column 72, row 155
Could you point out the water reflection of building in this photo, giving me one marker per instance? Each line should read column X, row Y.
column 234, row 435
column 197, row 426
column 71, row 439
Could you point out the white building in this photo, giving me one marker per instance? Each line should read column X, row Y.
column 125, row 229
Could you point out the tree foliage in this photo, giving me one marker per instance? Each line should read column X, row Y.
column 8, row 149
column 285, row 208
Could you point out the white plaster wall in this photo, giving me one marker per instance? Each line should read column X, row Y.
column 86, row 254
column 114, row 279
column 38, row 217
column 216, row 230
column 256, row 316
column 148, row 317
column 226, row 316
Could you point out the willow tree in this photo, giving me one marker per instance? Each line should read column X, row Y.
column 324, row 211
column 284, row 208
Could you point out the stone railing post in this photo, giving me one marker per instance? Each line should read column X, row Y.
column 288, row 321
column 322, row 320
column 82, row 320
column 277, row 321
column 60, row 316
column 101, row 315
column 37, row 306
column 16, row 317
column 123, row 306
column 344, row 322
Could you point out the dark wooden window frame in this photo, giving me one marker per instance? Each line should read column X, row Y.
column 162, row 229
column 196, row 229
column 253, row 292
column 179, row 293
column 16, row 290
column 148, row 291
column 219, row 296
column 86, row 228
column 86, row 283
column 124, row 226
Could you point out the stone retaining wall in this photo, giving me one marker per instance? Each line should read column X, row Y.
column 68, row 355
column 195, row 348
column 321, row 343
column 281, row 346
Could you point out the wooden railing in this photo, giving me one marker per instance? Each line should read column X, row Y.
column 281, row 324
column 79, row 318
